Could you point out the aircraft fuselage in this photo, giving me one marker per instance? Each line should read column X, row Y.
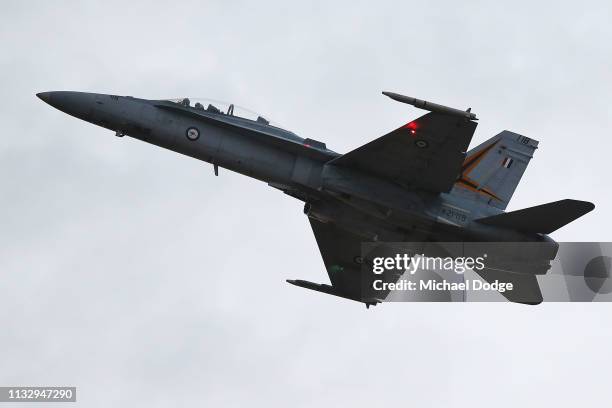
column 365, row 204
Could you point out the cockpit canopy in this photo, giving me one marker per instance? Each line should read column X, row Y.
column 221, row 108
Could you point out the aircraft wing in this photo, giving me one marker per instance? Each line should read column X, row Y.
column 426, row 153
column 342, row 255
column 341, row 252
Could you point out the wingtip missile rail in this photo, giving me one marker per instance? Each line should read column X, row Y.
column 430, row 106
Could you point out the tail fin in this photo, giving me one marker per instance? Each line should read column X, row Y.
column 492, row 170
column 544, row 218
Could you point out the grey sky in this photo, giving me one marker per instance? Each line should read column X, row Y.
column 136, row 275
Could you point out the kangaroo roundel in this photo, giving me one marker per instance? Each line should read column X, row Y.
column 192, row 133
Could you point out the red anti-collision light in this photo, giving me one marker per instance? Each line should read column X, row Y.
column 412, row 128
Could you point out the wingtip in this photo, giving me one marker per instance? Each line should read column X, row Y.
column 585, row 206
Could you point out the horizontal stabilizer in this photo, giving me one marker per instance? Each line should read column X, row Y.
column 525, row 288
column 542, row 219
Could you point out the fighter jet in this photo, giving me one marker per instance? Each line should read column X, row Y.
column 417, row 183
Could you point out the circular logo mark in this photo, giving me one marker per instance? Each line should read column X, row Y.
column 421, row 144
column 192, row 133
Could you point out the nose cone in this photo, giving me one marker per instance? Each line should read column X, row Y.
column 45, row 96
column 78, row 104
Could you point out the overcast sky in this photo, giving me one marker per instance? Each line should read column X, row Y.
column 134, row 274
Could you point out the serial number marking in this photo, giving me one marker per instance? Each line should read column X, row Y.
column 37, row 394
column 452, row 214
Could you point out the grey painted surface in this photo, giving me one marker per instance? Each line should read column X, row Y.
column 401, row 186
column 119, row 282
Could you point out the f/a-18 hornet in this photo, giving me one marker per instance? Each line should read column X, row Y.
column 417, row 183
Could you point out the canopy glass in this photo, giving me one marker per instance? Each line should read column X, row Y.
column 221, row 108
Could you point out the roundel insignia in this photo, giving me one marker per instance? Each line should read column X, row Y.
column 192, row 133
column 421, row 144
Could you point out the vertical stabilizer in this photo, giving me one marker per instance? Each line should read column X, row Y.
column 492, row 171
